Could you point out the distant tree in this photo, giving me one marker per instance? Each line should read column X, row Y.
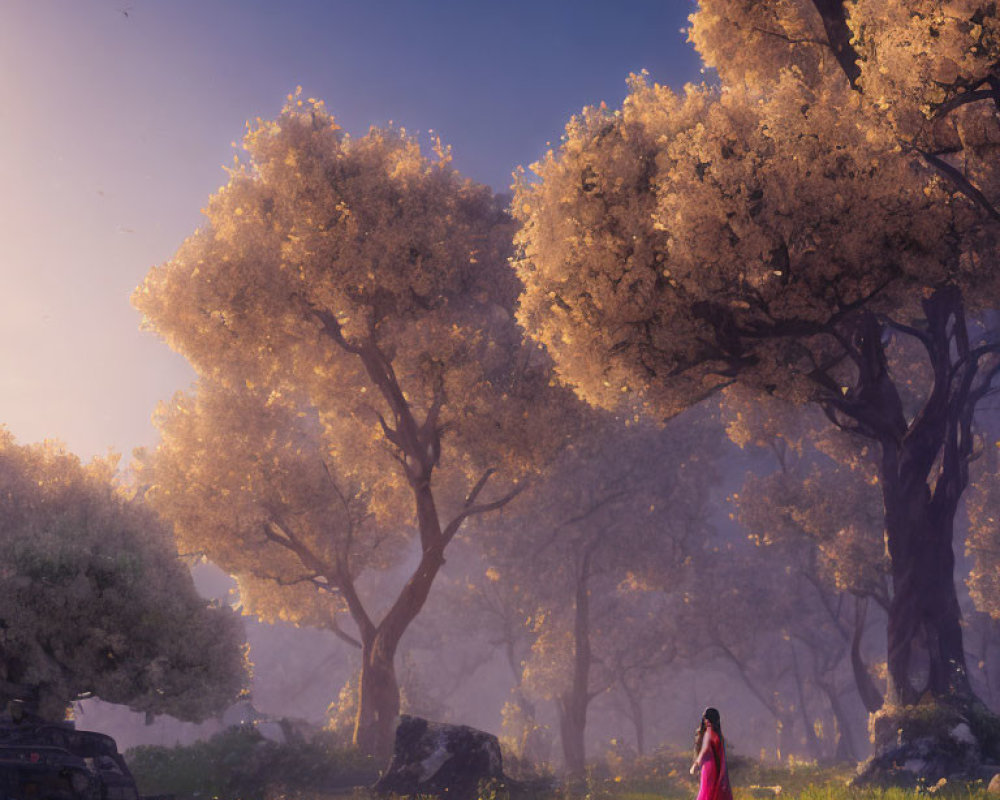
column 502, row 610
column 742, row 604
column 361, row 285
column 820, row 513
column 94, row 601
column 643, row 639
column 823, row 627
column 592, row 549
column 837, row 190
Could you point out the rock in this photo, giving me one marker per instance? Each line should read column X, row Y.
column 435, row 758
column 962, row 733
column 920, row 745
column 994, row 786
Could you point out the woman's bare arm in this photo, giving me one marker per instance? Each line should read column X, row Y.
column 706, row 741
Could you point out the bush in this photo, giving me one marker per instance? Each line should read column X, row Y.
column 239, row 764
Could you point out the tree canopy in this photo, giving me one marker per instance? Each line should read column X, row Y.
column 348, row 306
column 687, row 239
column 833, row 196
column 94, row 601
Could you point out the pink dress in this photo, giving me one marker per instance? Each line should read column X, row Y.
column 714, row 774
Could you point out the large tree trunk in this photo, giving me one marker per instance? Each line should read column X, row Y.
column 923, row 471
column 378, row 699
column 925, row 652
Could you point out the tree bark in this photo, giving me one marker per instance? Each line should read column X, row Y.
column 925, row 651
column 638, row 716
column 378, row 699
column 572, row 727
column 572, row 704
column 808, row 728
column 923, row 471
column 838, row 34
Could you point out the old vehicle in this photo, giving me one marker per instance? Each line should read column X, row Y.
column 40, row 759
column 45, row 772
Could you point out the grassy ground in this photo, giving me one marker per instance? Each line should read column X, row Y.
column 666, row 778
column 239, row 766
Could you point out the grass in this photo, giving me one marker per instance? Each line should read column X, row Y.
column 238, row 765
column 665, row 777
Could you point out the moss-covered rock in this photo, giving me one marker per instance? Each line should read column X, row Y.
column 921, row 744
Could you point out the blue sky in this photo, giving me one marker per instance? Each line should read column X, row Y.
column 116, row 117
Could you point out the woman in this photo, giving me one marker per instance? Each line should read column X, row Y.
column 710, row 753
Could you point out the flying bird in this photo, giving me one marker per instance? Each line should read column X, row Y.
column 125, row 11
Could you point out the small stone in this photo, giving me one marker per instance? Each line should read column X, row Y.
column 962, row 733
column 765, row 791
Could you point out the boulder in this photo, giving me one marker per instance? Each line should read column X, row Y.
column 925, row 744
column 435, row 758
column 994, row 786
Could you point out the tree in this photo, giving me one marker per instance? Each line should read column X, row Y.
column 780, row 232
column 94, row 601
column 597, row 551
column 501, row 610
column 819, row 512
column 358, row 283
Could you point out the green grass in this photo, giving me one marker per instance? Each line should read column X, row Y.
column 665, row 777
column 238, row 765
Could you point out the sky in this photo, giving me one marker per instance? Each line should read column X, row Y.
column 118, row 116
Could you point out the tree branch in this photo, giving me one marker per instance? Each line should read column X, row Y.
column 791, row 40
column 961, row 183
column 334, row 627
column 971, row 96
column 834, row 17
column 471, row 509
column 332, row 328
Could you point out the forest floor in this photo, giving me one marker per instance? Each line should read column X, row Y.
column 235, row 766
column 666, row 778
column 751, row 781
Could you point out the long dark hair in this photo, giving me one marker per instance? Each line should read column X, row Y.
column 710, row 715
